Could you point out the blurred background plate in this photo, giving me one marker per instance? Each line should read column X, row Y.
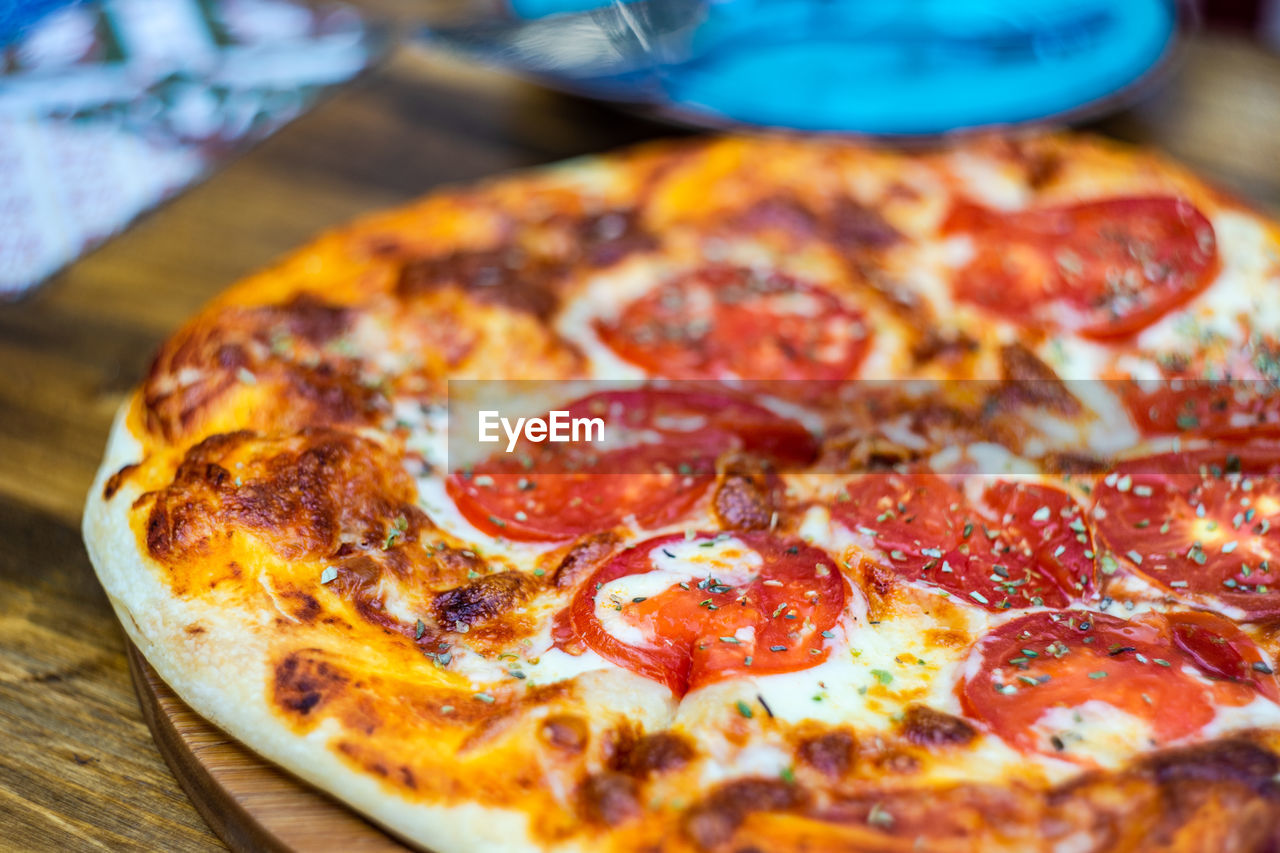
column 899, row 69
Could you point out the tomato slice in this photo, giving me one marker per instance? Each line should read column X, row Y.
column 1104, row 269
column 692, row 611
column 1010, row 545
column 1212, row 408
column 1220, row 649
column 1203, row 524
column 1042, row 676
column 734, row 322
column 660, row 457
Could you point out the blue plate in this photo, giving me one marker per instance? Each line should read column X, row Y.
column 911, row 67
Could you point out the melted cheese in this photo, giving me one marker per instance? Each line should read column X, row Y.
column 873, row 673
column 1259, row 714
column 1094, row 730
column 602, row 299
column 991, row 182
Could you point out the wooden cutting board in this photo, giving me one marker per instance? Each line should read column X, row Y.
column 250, row 804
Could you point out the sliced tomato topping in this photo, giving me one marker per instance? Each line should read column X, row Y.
column 723, row 607
column 734, row 322
column 1217, row 409
column 1203, row 525
column 999, row 544
column 658, row 460
column 1041, row 677
column 1105, row 268
column 1220, row 649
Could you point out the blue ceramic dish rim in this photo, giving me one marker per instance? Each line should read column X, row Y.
column 1186, row 22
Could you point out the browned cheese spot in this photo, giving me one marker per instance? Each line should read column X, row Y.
column 1031, row 382
column 925, row 726
column 306, row 495
column 714, row 820
column 746, row 497
column 831, row 753
column 303, row 684
column 116, row 480
column 584, row 557
column 608, row 798
column 282, row 347
column 566, row 732
column 652, row 753
column 481, row 600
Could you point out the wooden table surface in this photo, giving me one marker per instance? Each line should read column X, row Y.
column 78, row 769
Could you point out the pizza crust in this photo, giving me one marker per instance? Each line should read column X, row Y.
column 224, row 681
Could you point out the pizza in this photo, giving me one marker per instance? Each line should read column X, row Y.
column 931, row 505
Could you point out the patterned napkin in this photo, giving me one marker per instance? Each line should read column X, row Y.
column 108, row 108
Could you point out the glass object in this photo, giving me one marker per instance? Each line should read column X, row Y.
column 910, row 67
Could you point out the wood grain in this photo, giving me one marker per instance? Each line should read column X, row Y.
column 78, row 769
column 251, row 805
